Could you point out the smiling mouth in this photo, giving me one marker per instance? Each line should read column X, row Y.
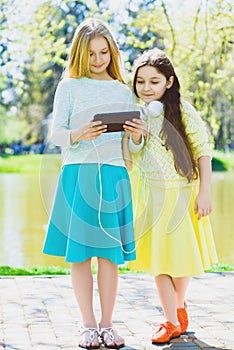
column 98, row 66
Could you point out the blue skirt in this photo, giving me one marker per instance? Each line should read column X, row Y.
column 92, row 217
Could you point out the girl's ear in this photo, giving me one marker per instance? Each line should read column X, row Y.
column 170, row 82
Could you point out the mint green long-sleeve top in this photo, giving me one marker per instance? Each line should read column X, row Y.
column 76, row 102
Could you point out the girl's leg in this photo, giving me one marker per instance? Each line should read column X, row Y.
column 167, row 295
column 181, row 285
column 107, row 279
column 82, row 282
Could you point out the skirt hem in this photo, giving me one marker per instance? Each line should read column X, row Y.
column 117, row 262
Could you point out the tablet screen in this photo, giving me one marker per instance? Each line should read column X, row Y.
column 115, row 120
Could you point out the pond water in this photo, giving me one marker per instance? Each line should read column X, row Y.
column 25, row 203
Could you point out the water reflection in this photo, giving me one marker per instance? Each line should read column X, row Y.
column 24, row 216
column 223, row 214
column 23, row 220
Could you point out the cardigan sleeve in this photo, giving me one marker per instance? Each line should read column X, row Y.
column 60, row 132
column 135, row 148
column 196, row 131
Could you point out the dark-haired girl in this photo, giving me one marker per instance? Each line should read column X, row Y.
column 173, row 233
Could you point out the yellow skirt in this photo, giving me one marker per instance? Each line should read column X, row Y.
column 168, row 235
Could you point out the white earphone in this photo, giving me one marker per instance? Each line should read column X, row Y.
column 155, row 108
column 100, row 206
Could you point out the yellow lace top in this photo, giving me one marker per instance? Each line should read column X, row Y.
column 156, row 162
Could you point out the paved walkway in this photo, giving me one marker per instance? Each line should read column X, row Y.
column 40, row 313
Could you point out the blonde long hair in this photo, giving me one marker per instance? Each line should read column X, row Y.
column 78, row 59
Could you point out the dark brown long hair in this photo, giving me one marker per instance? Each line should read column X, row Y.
column 173, row 133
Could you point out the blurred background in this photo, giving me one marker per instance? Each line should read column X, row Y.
column 197, row 35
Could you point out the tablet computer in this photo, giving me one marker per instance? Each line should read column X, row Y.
column 115, row 120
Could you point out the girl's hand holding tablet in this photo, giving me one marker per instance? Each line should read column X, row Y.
column 137, row 128
column 89, row 131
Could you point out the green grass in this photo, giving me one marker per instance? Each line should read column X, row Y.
column 50, row 163
column 58, row 270
column 221, row 268
column 33, row 271
column 30, row 163
column 20, row 164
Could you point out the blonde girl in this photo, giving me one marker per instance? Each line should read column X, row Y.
column 92, row 210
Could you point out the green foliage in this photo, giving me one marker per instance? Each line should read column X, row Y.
column 223, row 162
column 11, row 130
column 35, row 40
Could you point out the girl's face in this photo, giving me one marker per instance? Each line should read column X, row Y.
column 99, row 57
column 151, row 84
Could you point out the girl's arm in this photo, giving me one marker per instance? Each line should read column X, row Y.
column 203, row 206
column 89, row 131
column 136, row 128
column 126, row 153
column 133, row 140
column 61, row 134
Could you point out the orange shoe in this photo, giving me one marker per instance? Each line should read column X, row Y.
column 182, row 316
column 165, row 332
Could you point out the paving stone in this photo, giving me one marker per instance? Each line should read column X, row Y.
column 40, row 313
